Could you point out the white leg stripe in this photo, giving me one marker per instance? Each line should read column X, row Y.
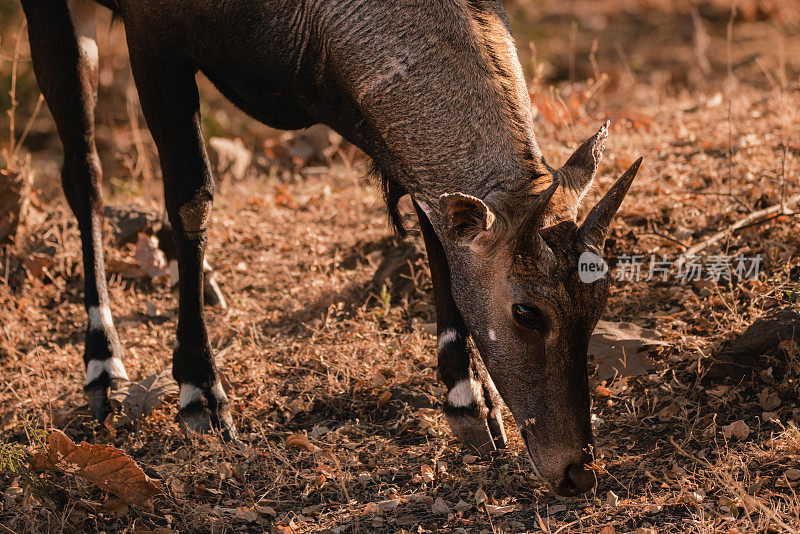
column 84, row 19
column 100, row 318
column 113, row 366
column 464, row 394
column 189, row 394
column 445, row 338
column 219, row 392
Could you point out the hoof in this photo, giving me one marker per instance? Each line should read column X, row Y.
column 98, row 399
column 200, row 420
column 98, row 403
column 479, row 435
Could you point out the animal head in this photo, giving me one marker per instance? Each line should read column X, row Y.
column 515, row 278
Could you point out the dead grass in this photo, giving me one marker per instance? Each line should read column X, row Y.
column 309, row 345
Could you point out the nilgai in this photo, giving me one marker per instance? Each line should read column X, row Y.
column 433, row 92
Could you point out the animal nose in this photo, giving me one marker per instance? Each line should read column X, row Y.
column 577, row 480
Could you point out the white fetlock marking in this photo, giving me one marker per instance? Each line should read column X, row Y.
column 219, row 392
column 189, row 394
column 113, row 366
column 100, row 318
column 445, row 338
column 464, row 394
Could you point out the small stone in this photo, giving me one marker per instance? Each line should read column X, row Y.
column 792, row 474
column 612, row 500
column 469, row 458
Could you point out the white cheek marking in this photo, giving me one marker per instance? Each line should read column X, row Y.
column 445, row 338
column 189, row 394
column 492, row 335
column 100, row 318
column 113, row 366
column 463, row 394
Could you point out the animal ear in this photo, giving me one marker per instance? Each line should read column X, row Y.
column 580, row 168
column 466, row 218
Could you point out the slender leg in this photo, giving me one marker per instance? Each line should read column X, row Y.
column 472, row 405
column 65, row 60
column 212, row 294
column 171, row 105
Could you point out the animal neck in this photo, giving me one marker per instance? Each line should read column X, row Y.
column 440, row 86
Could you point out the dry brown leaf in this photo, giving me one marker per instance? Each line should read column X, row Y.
column 142, row 397
column 619, row 349
column 104, row 465
column 300, row 441
column 38, row 265
column 386, row 397
column 150, row 257
column 737, row 429
column 497, row 510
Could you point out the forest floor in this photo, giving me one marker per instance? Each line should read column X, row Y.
column 331, row 370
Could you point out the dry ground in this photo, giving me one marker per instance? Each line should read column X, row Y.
column 311, row 345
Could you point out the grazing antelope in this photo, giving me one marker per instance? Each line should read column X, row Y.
column 433, row 92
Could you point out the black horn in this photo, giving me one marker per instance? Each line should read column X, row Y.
column 595, row 227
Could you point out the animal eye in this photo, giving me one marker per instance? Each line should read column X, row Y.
column 530, row 317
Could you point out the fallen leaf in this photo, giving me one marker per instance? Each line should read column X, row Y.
column 737, row 429
column 427, row 473
column 768, row 400
column 246, row 515
column 150, row 257
column 612, row 500
column 104, row 465
column 386, row 397
column 440, row 507
column 38, row 265
column 300, row 441
column 618, row 349
column 266, row 510
column 142, row 397
column 497, row 510
column 462, row 506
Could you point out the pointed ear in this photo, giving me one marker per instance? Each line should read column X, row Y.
column 466, row 218
column 580, row 168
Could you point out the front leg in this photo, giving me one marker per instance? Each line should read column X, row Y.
column 170, row 102
column 472, row 405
